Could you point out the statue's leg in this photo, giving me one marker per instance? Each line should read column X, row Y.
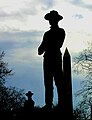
column 48, row 83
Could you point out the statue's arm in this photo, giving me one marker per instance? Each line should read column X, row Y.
column 41, row 48
column 63, row 34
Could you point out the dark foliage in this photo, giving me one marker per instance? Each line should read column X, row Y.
column 83, row 65
column 11, row 98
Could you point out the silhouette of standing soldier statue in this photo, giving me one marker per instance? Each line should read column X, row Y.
column 52, row 63
column 29, row 105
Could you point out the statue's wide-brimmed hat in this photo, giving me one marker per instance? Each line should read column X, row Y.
column 29, row 93
column 53, row 15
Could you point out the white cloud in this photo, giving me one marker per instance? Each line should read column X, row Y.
column 20, row 36
column 21, row 47
column 82, row 3
column 29, row 14
column 24, row 55
column 35, row 21
column 88, row 2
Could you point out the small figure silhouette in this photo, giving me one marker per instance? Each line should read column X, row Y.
column 52, row 64
column 29, row 104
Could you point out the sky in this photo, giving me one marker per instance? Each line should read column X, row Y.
column 22, row 26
